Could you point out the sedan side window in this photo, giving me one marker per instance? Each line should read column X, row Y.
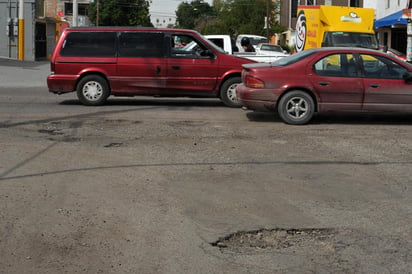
column 337, row 65
column 381, row 67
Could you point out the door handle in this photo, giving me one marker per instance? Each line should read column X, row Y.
column 158, row 69
column 374, row 85
column 324, row 83
column 175, row 67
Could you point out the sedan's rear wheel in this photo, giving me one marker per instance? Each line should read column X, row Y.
column 93, row 90
column 296, row 108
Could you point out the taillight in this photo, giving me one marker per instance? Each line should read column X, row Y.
column 253, row 82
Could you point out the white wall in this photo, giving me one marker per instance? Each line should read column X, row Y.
column 382, row 9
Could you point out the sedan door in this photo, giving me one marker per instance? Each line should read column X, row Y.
column 385, row 87
column 337, row 83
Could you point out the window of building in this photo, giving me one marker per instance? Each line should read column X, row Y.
column 294, row 8
column 388, row 4
column 354, row 3
column 310, row 2
column 81, row 9
column 40, row 8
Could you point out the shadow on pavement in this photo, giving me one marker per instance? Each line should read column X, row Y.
column 339, row 118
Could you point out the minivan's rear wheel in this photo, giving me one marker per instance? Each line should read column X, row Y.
column 93, row 90
column 296, row 108
column 228, row 92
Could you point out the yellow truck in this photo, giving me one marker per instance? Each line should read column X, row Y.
column 326, row 26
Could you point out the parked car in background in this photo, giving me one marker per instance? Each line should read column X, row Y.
column 254, row 40
column 327, row 79
column 127, row 61
column 270, row 49
column 227, row 44
column 397, row 54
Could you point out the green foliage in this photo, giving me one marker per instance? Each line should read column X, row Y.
column 120, row 13
column 193, row 15
column 229, row 17
column 244, row 16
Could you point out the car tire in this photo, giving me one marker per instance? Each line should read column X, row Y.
column 93, row 90
column 228, row 92
column 296, row 108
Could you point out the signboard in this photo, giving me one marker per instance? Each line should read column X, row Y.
column 407, row 13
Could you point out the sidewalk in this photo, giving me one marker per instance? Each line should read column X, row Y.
column 15, row 73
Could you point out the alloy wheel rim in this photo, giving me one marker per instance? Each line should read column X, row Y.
column 297, row 107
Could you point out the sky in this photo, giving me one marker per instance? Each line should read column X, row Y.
column 165, row 9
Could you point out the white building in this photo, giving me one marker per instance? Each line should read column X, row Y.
column 389, row 24
column 162, row 21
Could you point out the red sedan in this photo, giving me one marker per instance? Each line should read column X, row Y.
column 327, row 79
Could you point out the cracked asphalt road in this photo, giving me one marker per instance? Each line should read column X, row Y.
column 145, row 185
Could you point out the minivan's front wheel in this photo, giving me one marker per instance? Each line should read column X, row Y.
column 93, row 90
column 296, row 108
column 228, row 92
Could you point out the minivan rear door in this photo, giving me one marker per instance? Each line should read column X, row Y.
column 141, row 66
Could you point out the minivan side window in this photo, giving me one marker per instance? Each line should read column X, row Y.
column 89, row 44
column 140, row 44
column 185, row 46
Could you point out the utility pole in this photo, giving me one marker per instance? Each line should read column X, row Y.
column 21, row 30
column 267, row 19
column 407, row 13
column 75, row 12
column 97, row 13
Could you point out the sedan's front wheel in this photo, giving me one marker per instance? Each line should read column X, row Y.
column 296, row 108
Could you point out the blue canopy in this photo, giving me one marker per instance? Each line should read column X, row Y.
column 392, row 19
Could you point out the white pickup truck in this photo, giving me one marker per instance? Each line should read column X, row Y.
column 229, row 46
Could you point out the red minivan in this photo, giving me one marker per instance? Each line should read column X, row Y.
column 123, row 61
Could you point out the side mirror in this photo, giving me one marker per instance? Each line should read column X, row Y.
column 407, row 76
column 207, row 53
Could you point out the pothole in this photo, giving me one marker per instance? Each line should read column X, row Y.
column 51, row 131
column 324, row 240
column 187, row 123
column 114, row 145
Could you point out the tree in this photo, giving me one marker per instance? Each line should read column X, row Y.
column 192, row 15
column 120, row 12
column 244, row 16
